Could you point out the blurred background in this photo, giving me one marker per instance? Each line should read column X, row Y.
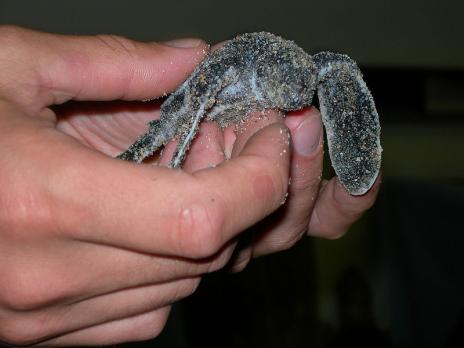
column 396, row 279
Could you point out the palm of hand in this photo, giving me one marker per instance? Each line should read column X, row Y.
column 112, row 126
column 106, row 127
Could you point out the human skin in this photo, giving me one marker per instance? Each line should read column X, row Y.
column 94, row 250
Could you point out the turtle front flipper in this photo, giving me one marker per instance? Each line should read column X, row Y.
column 189, row 129
column 146, row 144
column 351, row 121
column 201, row 94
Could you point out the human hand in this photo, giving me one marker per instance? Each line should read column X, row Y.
column 314, row 207
column 93, row 250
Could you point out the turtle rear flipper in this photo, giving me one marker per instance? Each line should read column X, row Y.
column 351, row 121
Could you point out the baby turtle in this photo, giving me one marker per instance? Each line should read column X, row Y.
column 257, row 71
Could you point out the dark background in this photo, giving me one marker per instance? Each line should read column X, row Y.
column 396, row 279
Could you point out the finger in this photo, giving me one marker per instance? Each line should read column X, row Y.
column 234, row 144
column 56, row 68
column 163, row 211
column 102, row 309
column 109, row 127
column 335, row 209
column 291, row 221
column 254, row 122
column 229, row 141
column 167, row 152
column 170, row 148
column 218, row 45
column 138, row 328
column 211, row 147
column 244, row 253
column 206, row 150
column 112, row 270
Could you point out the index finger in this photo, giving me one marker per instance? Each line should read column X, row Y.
column 164, row 211
column 57, row 68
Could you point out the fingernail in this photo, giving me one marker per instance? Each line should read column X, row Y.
column 183, row 43
column 307, row 136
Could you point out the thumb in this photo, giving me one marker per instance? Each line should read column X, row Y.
column 254, row 183
column 306, row 168
column 169, row 212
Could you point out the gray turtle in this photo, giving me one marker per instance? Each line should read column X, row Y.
column 257, row 71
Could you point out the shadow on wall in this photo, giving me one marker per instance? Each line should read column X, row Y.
column 421, row 225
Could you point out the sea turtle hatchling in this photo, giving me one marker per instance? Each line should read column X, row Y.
column 257, row 71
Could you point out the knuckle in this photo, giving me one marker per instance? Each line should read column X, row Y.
column 326, row 229
column 270, row 182
column 13, row 336
column 22, row 212
column 119, row 44
column 14, row 291
column 17, row 332
column 23, row 289
column 19, row 296
column 122, row 47
column 306, row 185
column 199, row 229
